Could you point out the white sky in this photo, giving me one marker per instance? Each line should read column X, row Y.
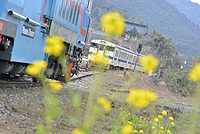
column 196, row 1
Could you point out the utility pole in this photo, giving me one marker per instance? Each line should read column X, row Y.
column 160, row 68
column 138, row 50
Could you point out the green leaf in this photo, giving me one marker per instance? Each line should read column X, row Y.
column 76, row 100
column 40, row 129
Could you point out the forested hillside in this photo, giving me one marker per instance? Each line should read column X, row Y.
column 190, row 9
column 100, row 7
column 167, row 19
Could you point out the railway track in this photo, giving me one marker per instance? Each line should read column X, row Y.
column 6, row 84
column 19, row 84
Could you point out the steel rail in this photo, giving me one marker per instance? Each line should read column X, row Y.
column 19, row 84
column 32, row 84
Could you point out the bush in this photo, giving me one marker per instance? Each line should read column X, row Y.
column 178, row 81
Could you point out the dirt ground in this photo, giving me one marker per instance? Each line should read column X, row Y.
column 21, row 109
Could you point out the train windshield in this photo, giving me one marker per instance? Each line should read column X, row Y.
column 109, row 48
column 101, row 47
column 94, row 45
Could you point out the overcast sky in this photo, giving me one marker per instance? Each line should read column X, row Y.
column 196, row 1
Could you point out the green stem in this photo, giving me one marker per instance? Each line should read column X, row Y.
column 167, row 126
column 46, row 105
column 194, row 113
column 93, row 94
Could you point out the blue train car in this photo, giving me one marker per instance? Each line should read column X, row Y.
column 25, row 24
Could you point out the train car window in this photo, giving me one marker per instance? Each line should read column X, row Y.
column 109, row 48
column 88, row 5
column 70, row 18
column 94, row 45
column 101, row 47
column 131, row 57
column 134, row 58
column 128, row 57
column 68, row 9
column 64, row 9
column 79, row 7
column 112, row 49
column 125, row 56
column 120, row 54
column 116, row 53
column 60, row 8
column 76, row 4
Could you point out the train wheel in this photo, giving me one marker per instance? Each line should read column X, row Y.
column 18, row 69
column 6, row 67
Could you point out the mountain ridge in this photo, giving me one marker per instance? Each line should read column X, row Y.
column 168, row 20
column 189, row 8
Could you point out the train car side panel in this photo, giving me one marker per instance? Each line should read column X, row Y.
column 29, row 41
column 83, row 19
column 2, row 6
column 120, row 57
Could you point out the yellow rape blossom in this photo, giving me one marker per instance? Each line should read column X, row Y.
column 168, row 131
column 141, row 131
column 171, row 118
column 127, row 129
column 36, row 67
column 156, row 119
column 54, row 45
column 103, row 101
column 113, row 23
column 172, row 123
column 160, row 116
column 56, row 86
column 135, row 131
column 129, row 122
column 161, row 127
column 141, row 98
column 153, row 127
column 194, row 74
column 149, row 63
column 99, row 58
column 164, row 112
column 77, row 131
